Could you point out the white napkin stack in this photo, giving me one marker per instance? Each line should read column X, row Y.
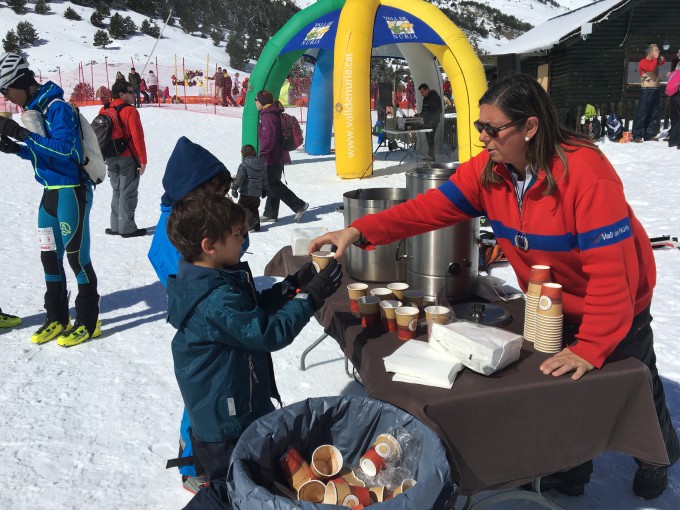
column 480, row 348
column 301, row 237
column 418, row 363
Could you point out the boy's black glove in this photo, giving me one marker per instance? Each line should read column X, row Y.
column 264, row 194
column 9, row 146
column 234, row 193
column 304, row 275
column 9, row 127
column 324, row 284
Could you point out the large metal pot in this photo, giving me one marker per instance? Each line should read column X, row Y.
column 445, row 259
column 383, row 264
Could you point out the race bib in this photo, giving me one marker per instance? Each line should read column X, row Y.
column 46, row 239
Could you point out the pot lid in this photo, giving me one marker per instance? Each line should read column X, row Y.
column 483, row 313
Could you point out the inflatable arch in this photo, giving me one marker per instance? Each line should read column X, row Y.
column 343, row 35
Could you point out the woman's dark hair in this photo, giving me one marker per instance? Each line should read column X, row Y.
column 201, row 215
column 119, row 87
column 520, row 97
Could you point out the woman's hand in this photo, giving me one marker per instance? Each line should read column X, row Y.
column 565, row 362
column 341, row 239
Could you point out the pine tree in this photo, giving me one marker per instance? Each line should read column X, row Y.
column 41, row 7
column 150, row 28
column 97, row 19
column 103, row 9
column 216, row 36
column 237, row 50
column 101, row 38
column 187, row 20
column 71, row 14
column 117, row 26
column 11, row 42
column 26, row 33
column 129, row 26
column 18, row 6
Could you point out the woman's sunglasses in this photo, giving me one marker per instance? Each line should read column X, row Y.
column 492, row 131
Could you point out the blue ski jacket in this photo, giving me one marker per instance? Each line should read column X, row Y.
column 56, row 157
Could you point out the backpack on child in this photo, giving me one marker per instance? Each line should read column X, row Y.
column 291, row 133
column 108, row 127
column 614, row 127
column 92, row 164
column 592, row 120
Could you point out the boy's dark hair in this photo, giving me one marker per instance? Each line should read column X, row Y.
column 120, row 87
column 248, row 151
column 219, row 184
column 423, row 86
column 201, row 215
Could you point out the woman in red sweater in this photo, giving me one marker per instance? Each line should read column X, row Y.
column 552, row 198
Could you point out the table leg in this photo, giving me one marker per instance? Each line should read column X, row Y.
column 514, row 494
column 309, row 349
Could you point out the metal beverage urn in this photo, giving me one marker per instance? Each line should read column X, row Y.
column 384, row 263
column 445, row 259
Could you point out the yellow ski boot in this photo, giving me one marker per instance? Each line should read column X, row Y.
column 78, row 334
column 9, row 321
column 49, row 331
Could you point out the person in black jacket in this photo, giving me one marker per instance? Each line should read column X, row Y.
column 431, row 112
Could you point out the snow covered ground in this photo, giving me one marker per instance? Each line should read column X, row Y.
column 92, row 426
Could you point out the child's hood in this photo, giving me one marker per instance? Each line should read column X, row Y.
column 189, row 166
column 255, row 163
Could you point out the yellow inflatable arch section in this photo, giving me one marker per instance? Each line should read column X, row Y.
column 351, row 80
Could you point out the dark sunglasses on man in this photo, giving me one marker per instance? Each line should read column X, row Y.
column 492, row 131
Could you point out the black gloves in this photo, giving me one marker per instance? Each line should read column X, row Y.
column 9, row 127
column 324, row 284
column 264, row 194
column 234, row 193
column 305, row 275
column 9, row 146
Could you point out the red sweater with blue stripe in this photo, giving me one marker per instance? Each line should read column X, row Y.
column 586, row 231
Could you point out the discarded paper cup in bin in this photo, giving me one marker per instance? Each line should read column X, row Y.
column 407, row 322
column 320, row 259
column 384, row 449
column 388, row 314
column 342, row 494
column 347, row 476
column 398, row 289
column 295, row 468
column 369, row 308
column 326, row 461
column 404, row 486
column 312, row 491
column 355, row 291
column 377, row 494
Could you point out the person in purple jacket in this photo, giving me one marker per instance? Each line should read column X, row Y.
column 269, row 137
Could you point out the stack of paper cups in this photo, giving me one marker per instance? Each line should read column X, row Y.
column 539, row 276
column 549, row 319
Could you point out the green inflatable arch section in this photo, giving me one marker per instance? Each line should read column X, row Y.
column 272, row 68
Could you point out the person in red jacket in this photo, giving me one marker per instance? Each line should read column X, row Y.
column 126, row 168
column 552, row 198
column 645, row 125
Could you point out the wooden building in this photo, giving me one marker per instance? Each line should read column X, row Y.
column 591, row 55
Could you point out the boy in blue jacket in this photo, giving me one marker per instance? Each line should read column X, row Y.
column 225, row 329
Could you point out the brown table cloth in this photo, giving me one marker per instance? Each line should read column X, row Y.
column 508, row 428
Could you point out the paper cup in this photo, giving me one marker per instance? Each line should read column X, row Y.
column 539, row 275
column 550, row 301
column 326, row 461
column 320, row 259
column 383, row 293
column 369, row 308
column 398, row 289
column 530, row 306
column 347, row 476
column 312, row 491
column 437, row 314
column 7, row 115
column 355, row 291
column 377, row 494
column 404, row 486
column 407, row 322
column 351, row 496
column 295, row 468
column 414, row 297
column 388, row 314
